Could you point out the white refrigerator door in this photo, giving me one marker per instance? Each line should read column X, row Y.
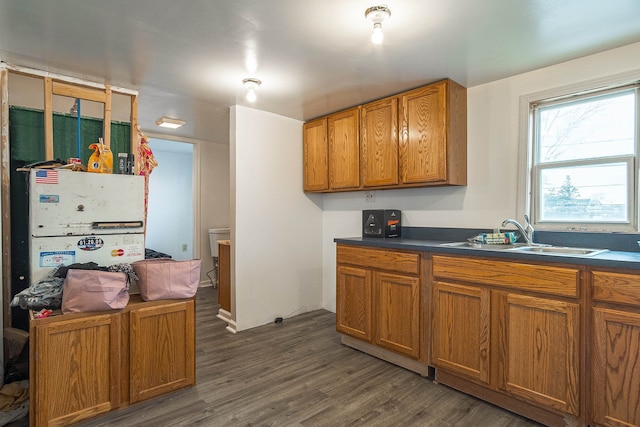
column 63, row 202
column 47, row 253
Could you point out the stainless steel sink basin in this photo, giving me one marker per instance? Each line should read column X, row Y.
column 559, row 250
column 532, row 249
column 472, row 245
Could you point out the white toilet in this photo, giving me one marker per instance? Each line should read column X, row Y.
column 216, row 234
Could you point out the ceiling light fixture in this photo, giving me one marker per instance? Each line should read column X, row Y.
column 167, row 122
column 377, row 15
column 251, row 84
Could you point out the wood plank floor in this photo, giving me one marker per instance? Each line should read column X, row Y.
column 297, row 373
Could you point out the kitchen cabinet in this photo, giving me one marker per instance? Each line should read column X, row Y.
column 74, row 365
column 315, row 155
column 86, row 364
column 416, row 138
column 379, row 143
column 512, row 328
column 161, row 349
column 379, row 301
column 344, row 153
column 615, row 376
column 434, row 135
column 461, row 330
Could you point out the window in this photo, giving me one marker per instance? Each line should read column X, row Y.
column 584, row 161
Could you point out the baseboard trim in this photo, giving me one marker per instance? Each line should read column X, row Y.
column 389, row 356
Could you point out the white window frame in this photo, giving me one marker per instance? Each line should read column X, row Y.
column 527, row 178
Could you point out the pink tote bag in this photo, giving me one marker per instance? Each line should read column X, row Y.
column 166, row 278
column 94, row 290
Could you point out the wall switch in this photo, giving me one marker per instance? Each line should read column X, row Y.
column 370, row 197
column 184, row 247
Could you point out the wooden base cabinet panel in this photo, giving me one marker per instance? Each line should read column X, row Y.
column 398, row 303
column 379, row 301
column 162, row 349
column 616, row 368
column 461, row 330
column 353, row 302
column 86, row 364
column 539, row 357
column 74, row 369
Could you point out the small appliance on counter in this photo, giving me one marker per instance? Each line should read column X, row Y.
column 381, row 223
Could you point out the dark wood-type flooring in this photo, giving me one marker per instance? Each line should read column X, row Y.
column 297, row 373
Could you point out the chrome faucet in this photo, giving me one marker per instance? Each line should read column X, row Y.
column 526, row 231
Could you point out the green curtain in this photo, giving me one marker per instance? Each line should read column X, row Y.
column 26, row 136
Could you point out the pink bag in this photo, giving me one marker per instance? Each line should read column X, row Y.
column 94, row 290
column 166, row 278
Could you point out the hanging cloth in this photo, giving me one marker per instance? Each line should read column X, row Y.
column 146, row 163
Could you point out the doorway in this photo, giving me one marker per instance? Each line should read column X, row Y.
column 170, row 218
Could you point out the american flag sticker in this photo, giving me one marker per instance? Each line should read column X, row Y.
column 46, row 176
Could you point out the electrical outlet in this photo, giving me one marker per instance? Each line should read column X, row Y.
column 184, row 247
column 370, row 197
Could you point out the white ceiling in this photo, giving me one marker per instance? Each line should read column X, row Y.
column 187, row 58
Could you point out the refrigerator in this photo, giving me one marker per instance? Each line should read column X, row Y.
column 79, row 217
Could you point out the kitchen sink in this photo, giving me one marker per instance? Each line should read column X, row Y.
column 559, row 250
column 473, row 245
column 526, row 248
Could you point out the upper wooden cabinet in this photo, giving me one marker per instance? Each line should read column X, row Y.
column 433, row 143
column 414, row 139
column 315, row 156
column 344, row 154
column 379, row 143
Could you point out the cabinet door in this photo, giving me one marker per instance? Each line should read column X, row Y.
column 315, row 155
column 344, row 151
column 423, row 155
column 398, row 313
column 461, row 336
column 353, row 302
column 539, row 351
column 379, row 143
column 162, row 349
column 616, row 376
column 75, row 368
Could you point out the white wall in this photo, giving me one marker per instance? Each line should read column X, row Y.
column 276, row 228
column 170, row 215
column 493, row 143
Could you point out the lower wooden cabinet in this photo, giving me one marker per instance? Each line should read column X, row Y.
column 615, row 363
column 490, row 333
column 379, row 300
column 353, row 302
column 398, row 313
column 461, row 330
column 86, row 364
column 539, row 351
column 74, row 368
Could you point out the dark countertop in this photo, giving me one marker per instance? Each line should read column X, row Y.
column 610, row 258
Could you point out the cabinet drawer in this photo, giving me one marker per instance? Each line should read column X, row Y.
column 531, row 277
column 402, row 262
column 623, row 288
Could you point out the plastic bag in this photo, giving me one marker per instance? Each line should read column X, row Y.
column 101, row 161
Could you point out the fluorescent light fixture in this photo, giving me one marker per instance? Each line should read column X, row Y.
column 167, row 122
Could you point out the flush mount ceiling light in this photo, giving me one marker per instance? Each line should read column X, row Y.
column 251, row 84
column 376, row 15
column 167, row 122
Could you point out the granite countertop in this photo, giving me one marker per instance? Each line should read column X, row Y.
column 434, row 240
